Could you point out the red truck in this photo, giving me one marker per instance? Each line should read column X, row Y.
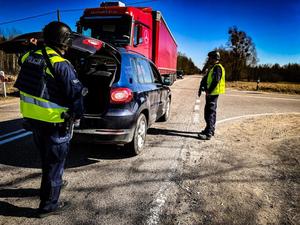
column 139, row 29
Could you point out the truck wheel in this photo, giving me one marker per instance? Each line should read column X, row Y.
column 166, row 116
column 137, row 144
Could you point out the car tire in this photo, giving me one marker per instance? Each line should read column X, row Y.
column 137, row 144
column 166, row 116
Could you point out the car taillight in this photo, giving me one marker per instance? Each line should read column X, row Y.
column 120, row 95
column 93, row 42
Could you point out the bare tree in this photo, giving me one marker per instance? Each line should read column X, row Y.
column 243, row 51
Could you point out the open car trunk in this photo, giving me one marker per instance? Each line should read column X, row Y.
column 96, row 62
column 98, row 73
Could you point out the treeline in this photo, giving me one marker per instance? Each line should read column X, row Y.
column 274, row 73
column 8, row 62
column 186, row 64
column 240, row 59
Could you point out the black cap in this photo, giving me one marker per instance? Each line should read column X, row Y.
column 57, row 34
column 214, row 55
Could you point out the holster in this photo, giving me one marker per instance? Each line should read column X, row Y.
column 27, row 125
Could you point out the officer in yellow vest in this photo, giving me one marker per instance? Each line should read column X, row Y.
column 213, row 83
column 50, row 90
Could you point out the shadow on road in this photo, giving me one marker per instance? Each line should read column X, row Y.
column 23, row 153
column 157, row 131
column 18, row 193
column 7, row 209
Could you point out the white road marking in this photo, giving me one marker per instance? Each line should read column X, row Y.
column 162, row 195
column 254, row 115
column 266, row 97
column 15, row 137
column 197, row 100
column 156, row 209
column 11, row 133
column 196, row 108
column 196, row 118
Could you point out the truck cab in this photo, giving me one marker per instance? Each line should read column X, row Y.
column 118, row 25
column 138, row 29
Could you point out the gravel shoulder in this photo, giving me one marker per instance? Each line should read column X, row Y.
column 247, row 174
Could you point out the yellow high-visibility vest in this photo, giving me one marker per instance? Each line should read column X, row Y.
column 37, row 108
column 220, row 88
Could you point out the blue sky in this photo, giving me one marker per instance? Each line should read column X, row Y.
column 197, row 25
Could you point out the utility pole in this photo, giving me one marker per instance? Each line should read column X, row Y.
column 58, row 15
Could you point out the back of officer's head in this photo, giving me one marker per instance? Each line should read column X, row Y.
column 214, row 56
column 57, row 34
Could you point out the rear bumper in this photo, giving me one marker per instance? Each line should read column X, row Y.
column 115, row 127
column 105, row 136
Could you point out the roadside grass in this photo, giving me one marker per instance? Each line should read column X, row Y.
column 286, row 88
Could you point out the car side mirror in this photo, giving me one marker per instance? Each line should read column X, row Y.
column 166, row 81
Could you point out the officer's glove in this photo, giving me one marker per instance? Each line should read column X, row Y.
column 199, row 92
column 77, row 123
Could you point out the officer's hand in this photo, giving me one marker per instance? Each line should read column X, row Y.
column 199, row 92
column 77, row 123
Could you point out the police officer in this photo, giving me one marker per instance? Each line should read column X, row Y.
column 50, row 90
column 213, row 83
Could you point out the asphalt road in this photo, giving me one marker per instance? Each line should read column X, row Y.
column 107, row 186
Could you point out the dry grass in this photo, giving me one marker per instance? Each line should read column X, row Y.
column 287, row 88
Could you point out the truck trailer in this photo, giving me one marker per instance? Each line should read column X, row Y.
column 139, row 29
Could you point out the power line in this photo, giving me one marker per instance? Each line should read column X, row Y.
column 27, row 18
column 66, row 11
column 40, row 15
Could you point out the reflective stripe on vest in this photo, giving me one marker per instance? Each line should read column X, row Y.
column 40, row 109
column 220, row 88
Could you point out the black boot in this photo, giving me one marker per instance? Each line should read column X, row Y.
column 204, row 136
column 62, row 206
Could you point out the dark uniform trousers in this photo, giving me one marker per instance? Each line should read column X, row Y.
column 53, row 143
column 210, row 113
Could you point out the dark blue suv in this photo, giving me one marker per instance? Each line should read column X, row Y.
column 126, row 95
column 126, row 92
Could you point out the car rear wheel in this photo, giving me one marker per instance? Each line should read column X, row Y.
column 166, row 116
column 137, row 144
